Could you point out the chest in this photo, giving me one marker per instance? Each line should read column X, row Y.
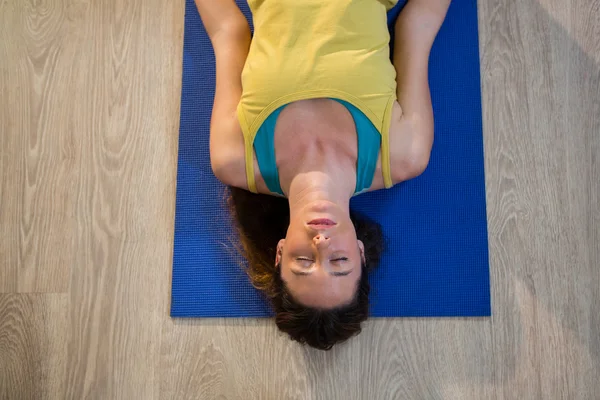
column 310, row 126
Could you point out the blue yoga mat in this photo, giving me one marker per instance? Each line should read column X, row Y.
column 437, row 258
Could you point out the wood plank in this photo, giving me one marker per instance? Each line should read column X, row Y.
column 541, row 93
column 127, row 76
column 33, row 340
column 39, row 161
column 230, row 359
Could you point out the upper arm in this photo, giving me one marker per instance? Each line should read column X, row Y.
column 230, row 36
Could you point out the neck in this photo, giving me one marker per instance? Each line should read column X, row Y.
column 322, row 178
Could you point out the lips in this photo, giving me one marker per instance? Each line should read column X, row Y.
column 322, row 222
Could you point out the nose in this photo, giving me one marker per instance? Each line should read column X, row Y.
column 321, row 240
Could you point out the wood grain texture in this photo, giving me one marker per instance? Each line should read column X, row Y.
column 250, row 359
column 119, row 97
column 230, row 359
column 89, row 113
column 128, row 78
column 32, row 346
column 39, row 161
column 541, row 113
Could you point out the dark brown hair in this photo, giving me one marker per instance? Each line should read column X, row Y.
column 261, row 221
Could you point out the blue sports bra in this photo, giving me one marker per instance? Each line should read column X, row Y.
column 369, row 142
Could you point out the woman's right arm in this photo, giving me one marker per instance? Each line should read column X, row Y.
column 230, row 36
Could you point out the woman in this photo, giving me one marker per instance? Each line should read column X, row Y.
column 312, row 110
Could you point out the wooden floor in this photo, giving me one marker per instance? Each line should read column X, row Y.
column 89, row 113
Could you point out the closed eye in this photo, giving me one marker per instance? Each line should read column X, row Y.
column 341, row 273
column 304, row 262
column 305, row 273
column 340, row 259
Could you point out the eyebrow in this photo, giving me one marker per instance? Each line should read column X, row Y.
column 303, row 273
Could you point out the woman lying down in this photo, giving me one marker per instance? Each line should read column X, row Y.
column 309, row 112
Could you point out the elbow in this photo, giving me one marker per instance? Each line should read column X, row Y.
column 219, row 167
column 414, row 161
column 418, row 161
column 420, row 149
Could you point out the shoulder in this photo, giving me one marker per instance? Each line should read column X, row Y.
column 410, row 147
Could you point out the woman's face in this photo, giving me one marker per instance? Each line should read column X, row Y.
column 320, row 257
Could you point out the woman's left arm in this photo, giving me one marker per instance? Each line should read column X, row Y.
column 411, row 137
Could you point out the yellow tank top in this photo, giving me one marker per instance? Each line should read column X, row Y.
column 306, row 49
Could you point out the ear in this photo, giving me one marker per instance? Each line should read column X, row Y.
column 361, row 248
column 279, row 252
